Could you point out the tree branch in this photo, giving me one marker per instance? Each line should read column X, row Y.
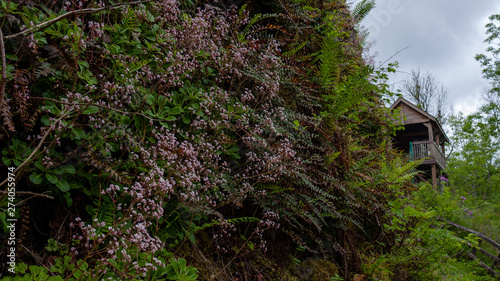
column 26, row 162
column 103, row 106
column 77, row 12
column 30, row 193
column 4, row 69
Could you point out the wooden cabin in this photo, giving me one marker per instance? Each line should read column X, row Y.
column 422, row 137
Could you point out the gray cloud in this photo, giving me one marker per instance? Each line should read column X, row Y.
column 443, row 38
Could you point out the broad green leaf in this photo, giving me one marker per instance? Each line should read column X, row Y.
column 83, row 63
column 45, row 120
column 69, row 201
column 79, row 133
column 91, row 110
column 67, row 169
column 165, row 124
column 176, row 110
column 6, row 161
column 51, row 178
column 36, row 178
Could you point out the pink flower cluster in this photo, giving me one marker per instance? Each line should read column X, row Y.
column 190, row 162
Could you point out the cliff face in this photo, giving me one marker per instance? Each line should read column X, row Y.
column 243, row 139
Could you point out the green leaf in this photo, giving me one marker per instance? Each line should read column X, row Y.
column 67, row 169
column 69, row 201
column 36, row 178
column 176, row 110
column 11, row 56
column 191, row 238
column 45, row 120
column 51, row 178
column 83, row 63
column 165, row 124
column 182, row 262
column 63, row 185
column 78, row 133
column 91, row 110
column 7, row 161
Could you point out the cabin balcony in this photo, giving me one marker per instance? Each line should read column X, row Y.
column 429, row 150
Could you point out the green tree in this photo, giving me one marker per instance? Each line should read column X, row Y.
column 475, row 167
column 491, row 71
column 491, row 64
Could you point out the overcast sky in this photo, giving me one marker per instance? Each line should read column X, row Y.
column 442, row 37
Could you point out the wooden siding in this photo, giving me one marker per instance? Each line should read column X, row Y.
column 412, row 116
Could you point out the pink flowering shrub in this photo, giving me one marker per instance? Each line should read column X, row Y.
column 162, row 123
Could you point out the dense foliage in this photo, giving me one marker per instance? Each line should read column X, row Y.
column 176, row 140
column 141, row 128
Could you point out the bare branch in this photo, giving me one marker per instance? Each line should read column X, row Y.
column 77, row 12
column 26, row 162
column 390, row 58
column 30, row 193
column 4, row 69
column 103, row 106
column 428, row 94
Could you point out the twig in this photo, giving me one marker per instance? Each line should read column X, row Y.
column 77, row 12
column 296, row 26
column 479, row 234
column 30, row 193
column 4, row 70
column 26, row 162
column 103, row 106
column 483, row 265
column 395, row 55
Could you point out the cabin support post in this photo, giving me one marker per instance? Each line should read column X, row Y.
column 430, row 132
column 434, row 175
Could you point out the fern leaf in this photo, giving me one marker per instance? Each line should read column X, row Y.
column 7, row 115
column 293, row 51
column 362, row 9
column 243, row 220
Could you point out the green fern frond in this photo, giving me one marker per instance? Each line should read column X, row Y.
column 255, row 19
column 362, row 9
column 273, row 189
column 402, row 173
column 293, row 51
column 243, row 220
column 329, row 68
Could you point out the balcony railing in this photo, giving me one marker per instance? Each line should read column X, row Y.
column 427, row 149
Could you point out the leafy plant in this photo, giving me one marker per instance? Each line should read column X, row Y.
column 177, row 270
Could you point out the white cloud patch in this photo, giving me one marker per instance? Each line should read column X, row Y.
column 443, row 38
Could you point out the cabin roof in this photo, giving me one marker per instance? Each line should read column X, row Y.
column 421, row 112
